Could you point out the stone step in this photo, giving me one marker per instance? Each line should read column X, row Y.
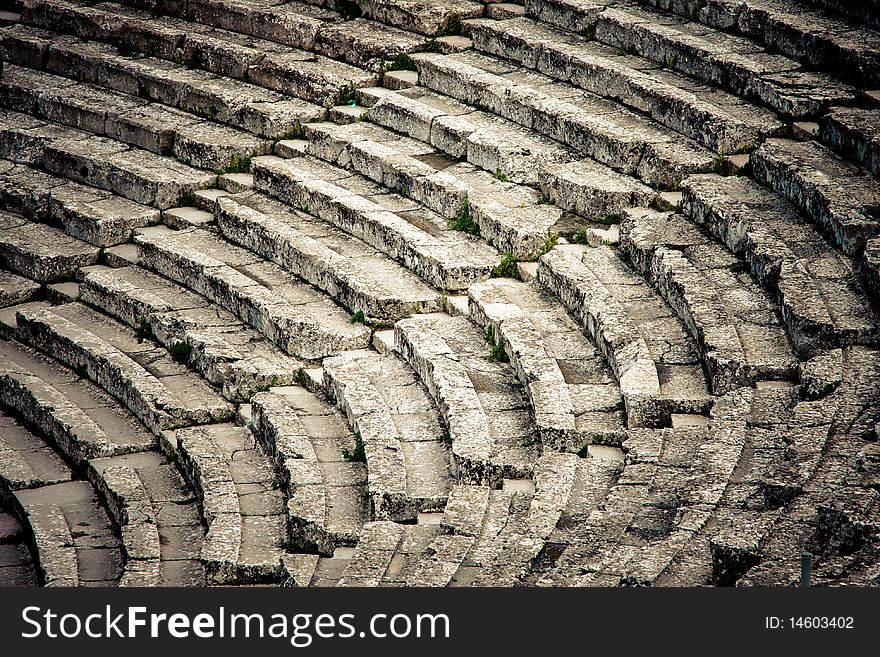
column 508, row 150
column 790, row 444
column 160, row 391
column 508, row 215
column 41, row 253
column 734, row 63
column 73, row 537
column 816, row 38
column 243, row 509
column 416, row 542
column 193, row 141
column 403, row 443
column 501, row 509
column 27, row 461
column 482, row 403
column 82, row 421
column 573, row 393
column 228, row 353
column 373, row 555
column 359, row 41
column 854, row 135
column 520, row 543
column 633, row 537
column 821, row 298
column 594, row 127
column 717, row 120
column 313, row 78
column 205, row 95
column 654, row 359
column 87, row 213
column 24, row 138
column 157, row 516
column 737, row 329
column 16, row 289
column 132, row 173
column 399, row 227
column 291, row 314
column 485, row 140
column 348, row 270
column 308, row 441
column 447, row 553
column 836, row 195
column 300, row 568
column 428, row 17
column 863, row 12
column 19, row 568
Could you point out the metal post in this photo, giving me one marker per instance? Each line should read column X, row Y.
column 806, row 558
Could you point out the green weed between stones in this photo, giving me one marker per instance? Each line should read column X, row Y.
column 453, row 27
column 144, row 330
column 237, row 164
column 580, row 237
column 464, row 222
column 358, row 454
column 180, row 352
column 507, row 268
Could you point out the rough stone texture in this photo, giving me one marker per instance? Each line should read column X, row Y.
column 836, row 195
column 719, row 122
column 854, row 134
column 307, row 440
column 406, row 456
column 242, row 509
column 159, row 391
column 225, row 351
column 94, row 216
column 821, row 299
column 482, row 404
column 401, row 228
column 737, row 329
column 545, row 131
column 572, row 392
column 16, row 289
column 657, row 369
column 40, row 252
column 346, row 269
column 289, row 313
column 75, row 545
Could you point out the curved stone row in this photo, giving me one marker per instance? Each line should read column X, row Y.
column 723, row 338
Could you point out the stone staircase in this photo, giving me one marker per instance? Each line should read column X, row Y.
column 439, row 293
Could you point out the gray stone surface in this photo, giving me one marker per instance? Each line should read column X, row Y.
column 854, row 134
column 92, row 215
column 408, row 462
column 307, row 440
column 481, row 401
column 288, row 312
column 348, row 270
column 821, row 298
column 244, row 512
column 40, row 252
column 229, row 354
column 16, row 289
column 738, row 330
column 400, row 227
column 838, row 196
column 573, row 395
column 159, row 391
